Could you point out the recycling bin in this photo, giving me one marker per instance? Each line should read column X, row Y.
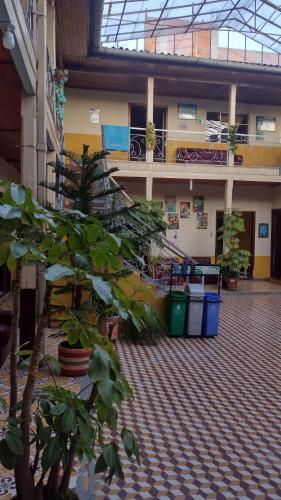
column 195, row 300
column 211, row 314
column 177, row 310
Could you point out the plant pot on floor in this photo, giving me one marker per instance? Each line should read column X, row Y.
column 74, row 360
column 231, row 284
column 109, row 327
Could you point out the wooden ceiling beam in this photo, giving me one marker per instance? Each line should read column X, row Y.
column 177, row 79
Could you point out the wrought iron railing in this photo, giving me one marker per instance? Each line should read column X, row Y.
column 207, row 147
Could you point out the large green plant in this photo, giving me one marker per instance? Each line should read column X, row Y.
column 79, row 178
column 234, row 258
column 76, row 248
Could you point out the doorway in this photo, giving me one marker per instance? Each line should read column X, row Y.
column 276, row 244
column 138, row 133
column 247, row 239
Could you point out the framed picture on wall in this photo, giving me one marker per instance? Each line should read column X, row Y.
column 173, row 221
column 266, row 123
column 185, row 209
column 187, row 111
column 263, row 230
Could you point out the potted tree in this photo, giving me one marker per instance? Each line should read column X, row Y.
column 234, row 259
column 47, row 428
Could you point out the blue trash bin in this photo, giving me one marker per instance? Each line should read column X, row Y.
column 211, row 314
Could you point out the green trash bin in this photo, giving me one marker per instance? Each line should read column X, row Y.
column 177, row 309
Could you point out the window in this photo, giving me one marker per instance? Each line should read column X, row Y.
column 217, row 127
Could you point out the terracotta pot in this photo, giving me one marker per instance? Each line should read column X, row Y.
column 232, row 284
column 109, row 327
column 74, row 361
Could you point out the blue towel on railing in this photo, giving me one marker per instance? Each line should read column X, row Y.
column 115, row 138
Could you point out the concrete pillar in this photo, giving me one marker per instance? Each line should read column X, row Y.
column 148, row 188
column 149, row 110
column 42, row 97
column 29, row 142
column 231, row 116
column 228, row 194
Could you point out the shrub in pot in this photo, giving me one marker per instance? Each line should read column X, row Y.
column 234, row 259
column 47, row 429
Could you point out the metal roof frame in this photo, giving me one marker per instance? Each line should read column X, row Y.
column 124, row 20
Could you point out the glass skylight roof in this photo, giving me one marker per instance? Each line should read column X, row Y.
column 137, row 19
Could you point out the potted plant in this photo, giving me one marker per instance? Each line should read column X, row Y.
column 107, row 318
column 234, row 258
column 47, row 428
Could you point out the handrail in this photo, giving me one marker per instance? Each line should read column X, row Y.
column 256, row 136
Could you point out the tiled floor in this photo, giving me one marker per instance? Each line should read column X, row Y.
column 207, row 413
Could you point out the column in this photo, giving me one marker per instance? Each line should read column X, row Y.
column 231, row 116
column 28, row 295
column 42, row 96
column 149, row 111
column 228, row 194
column 148, row 188
column 29, row 142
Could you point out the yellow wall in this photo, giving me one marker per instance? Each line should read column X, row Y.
column 262, row 267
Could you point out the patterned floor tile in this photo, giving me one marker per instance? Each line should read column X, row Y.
column 207, row 412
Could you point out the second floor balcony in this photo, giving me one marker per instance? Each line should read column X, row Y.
column 210, row 148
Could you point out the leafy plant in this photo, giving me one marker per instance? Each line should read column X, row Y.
column 75, row 248
column 80, row 179
column 232, row 139
column 150, row 136
column 234, row 258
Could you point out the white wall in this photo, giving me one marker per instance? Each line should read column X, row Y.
column 202, row 242
column 114, row 109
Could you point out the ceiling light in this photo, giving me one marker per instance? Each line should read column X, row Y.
column 8, row 35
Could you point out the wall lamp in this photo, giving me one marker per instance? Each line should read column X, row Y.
column 8, row 37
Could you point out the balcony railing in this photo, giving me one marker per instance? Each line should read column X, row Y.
column 193, row 147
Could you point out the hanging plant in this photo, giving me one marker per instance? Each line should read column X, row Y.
column 232, row 131
column 150, row 136
column 60, row 78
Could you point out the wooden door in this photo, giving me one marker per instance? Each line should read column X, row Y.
column 276, row 244
column 247, row 238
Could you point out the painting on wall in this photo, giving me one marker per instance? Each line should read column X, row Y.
column 263, row 230
column 173, row 221
column 202, row 220
column 187, row 111
column 266, row 123
column 184, row 209
column 170, row 204
column 198, row 204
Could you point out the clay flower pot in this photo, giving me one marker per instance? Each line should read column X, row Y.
column 232, row 284
column 74, row 361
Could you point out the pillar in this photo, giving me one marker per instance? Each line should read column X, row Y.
column 231, row 116
column 228, row 194
column 28, row 142
column 29, row 177
column 42, row 97
column 148, row 188
column 149, row 110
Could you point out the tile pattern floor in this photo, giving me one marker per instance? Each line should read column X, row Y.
column 207, row 413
